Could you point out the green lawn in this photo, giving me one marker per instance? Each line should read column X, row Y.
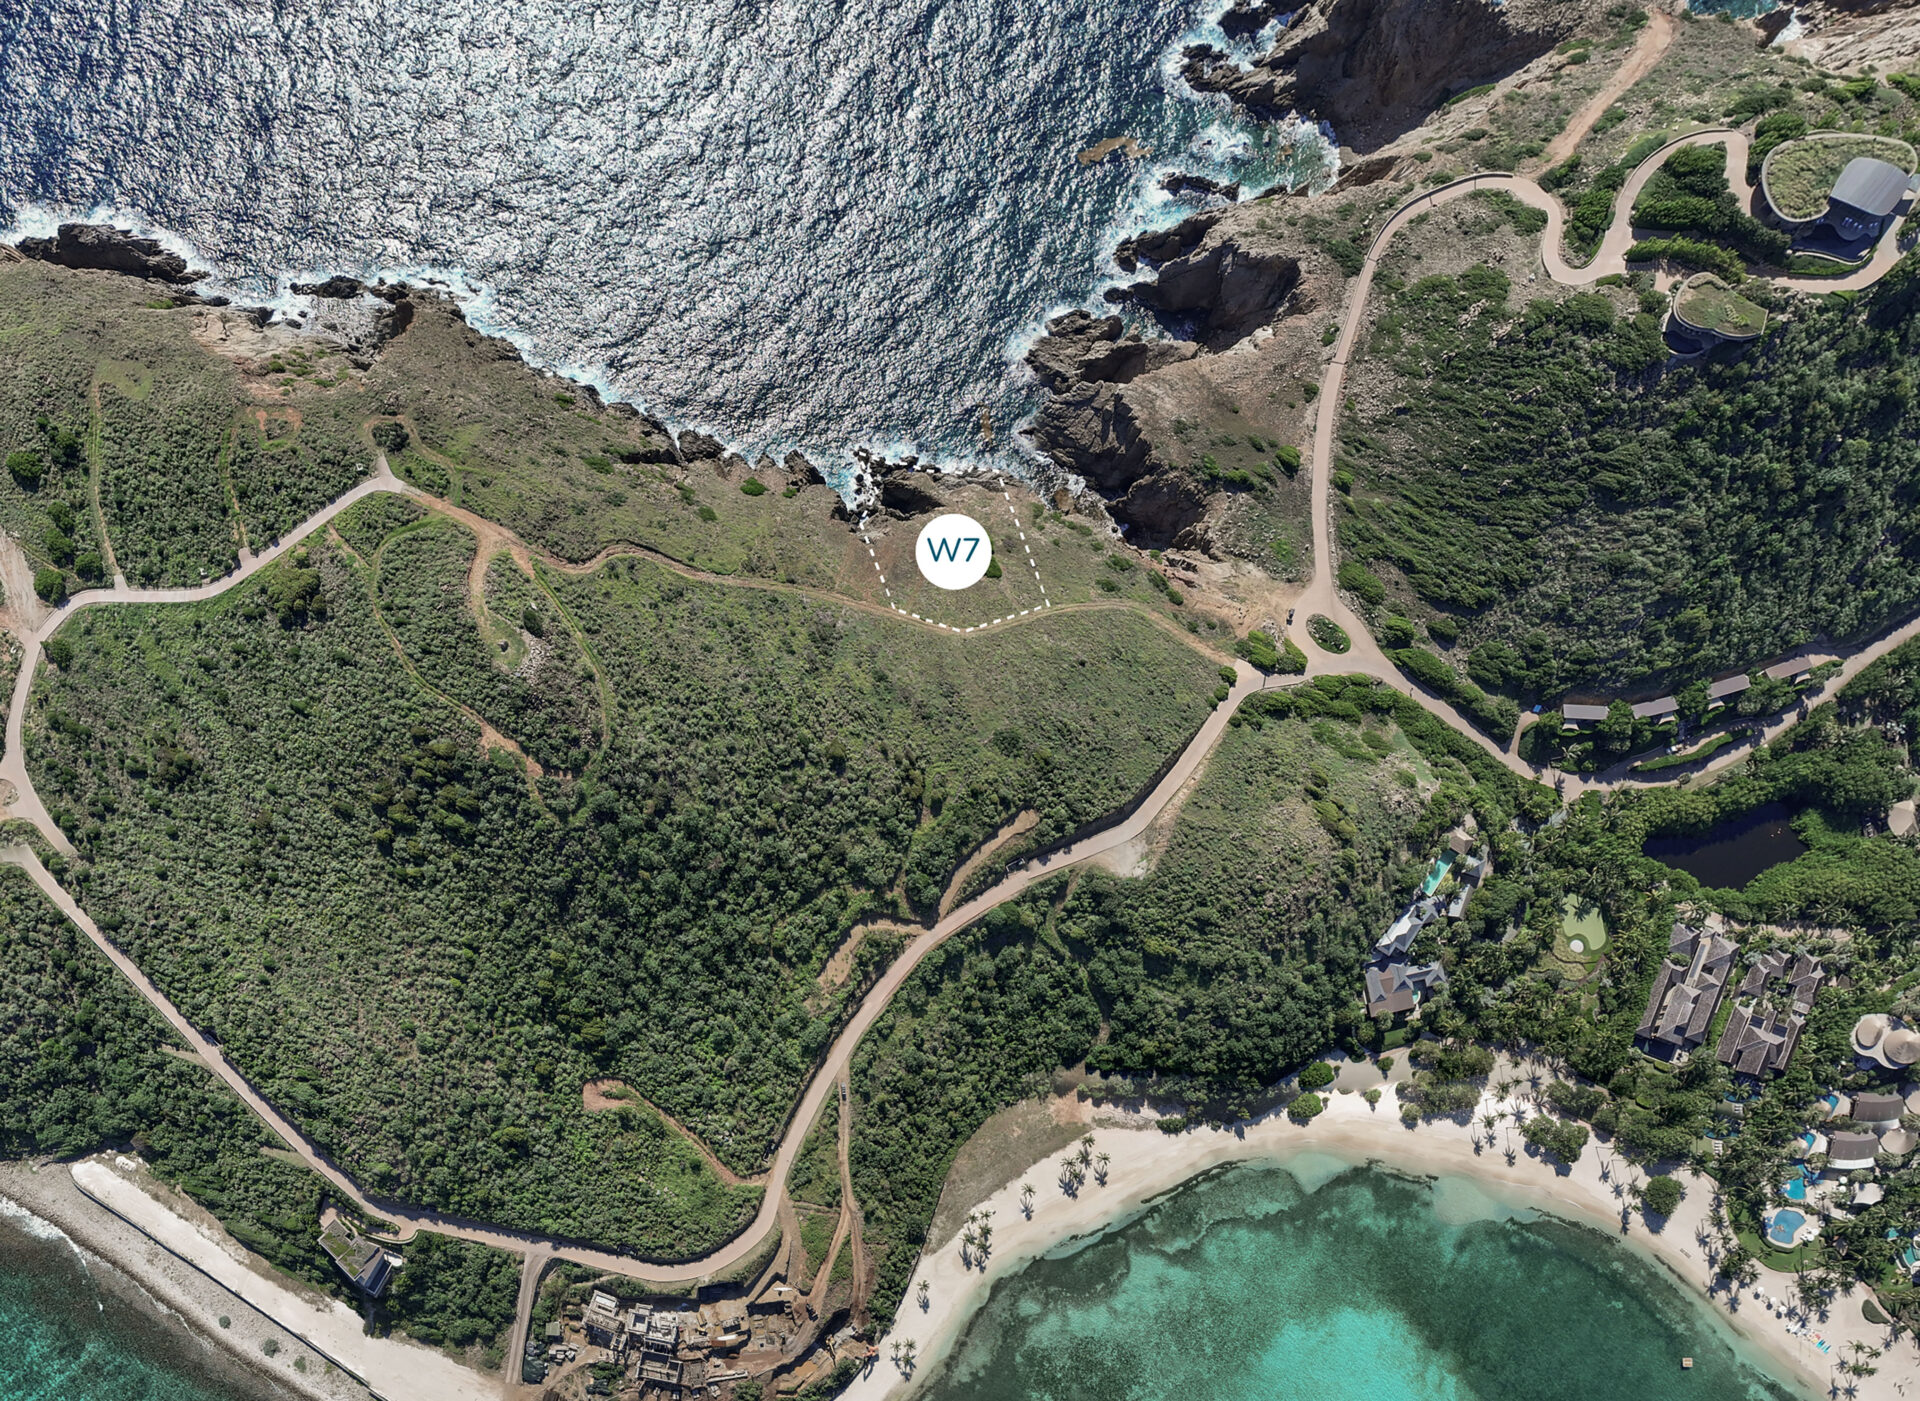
column 1712, row 305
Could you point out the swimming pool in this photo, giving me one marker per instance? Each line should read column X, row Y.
column 1795, row 1188
column 1783, row 1225
column 1441, row 864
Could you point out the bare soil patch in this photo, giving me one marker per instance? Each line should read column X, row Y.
column 1003, row 1148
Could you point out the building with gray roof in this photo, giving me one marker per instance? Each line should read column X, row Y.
column 1686, row 991
column 1398, row 987
column 1725, row 689
column 1867, row 191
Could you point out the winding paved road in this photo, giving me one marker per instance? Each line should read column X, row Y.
column 1320, row 596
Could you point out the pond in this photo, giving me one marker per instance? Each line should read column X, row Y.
column 1733, row 853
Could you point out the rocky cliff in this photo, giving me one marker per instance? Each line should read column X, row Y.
column 1376, row 68
column 1113, row 396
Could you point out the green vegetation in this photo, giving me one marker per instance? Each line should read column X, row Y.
column 1662, row 1195
column 1699, row 754
column 1496, row 715
column 1328, row 635
column 1711, row 305
column 282, row 826
column 1563, row 1140
column 1689, row 195
column 1575, row 525
column 1797, row 176
column 85, row 1064
column 1306, row 1107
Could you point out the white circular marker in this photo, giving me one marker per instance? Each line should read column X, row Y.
column 953, row 551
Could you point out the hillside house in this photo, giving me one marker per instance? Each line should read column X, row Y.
column 1686, row 991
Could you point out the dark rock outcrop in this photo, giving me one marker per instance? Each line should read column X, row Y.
column 104, row 248
column 1088, row 427
column 1376, row 68
column 1080, row 349
column 1158, row 245
column 803, row 473
column 701, row 447
column 903, row 497
column 337, row 287
column 1245, row 17
column 1180, row 183
column 1224, row 291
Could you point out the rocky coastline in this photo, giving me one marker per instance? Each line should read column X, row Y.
column 1375, row 69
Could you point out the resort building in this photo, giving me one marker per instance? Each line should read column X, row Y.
column 1686, row 991
column 1793, row 671
column 1665, row 708
column 1574, row 714
column 1886, row 1041
column 1724, row 690
column 1393, row 986
column 365, row 1262
column 1851, row 1152
column 1836, row 192
column 1878, row 1111
column 1398, row 987
column 1867, row 192
column 1770, row 1009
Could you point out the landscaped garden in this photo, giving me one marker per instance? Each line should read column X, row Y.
column 1796, row 178
column 1709, row 304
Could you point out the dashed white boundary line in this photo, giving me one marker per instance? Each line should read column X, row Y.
column 1045, row 602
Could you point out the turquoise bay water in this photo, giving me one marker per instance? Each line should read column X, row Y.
column 63, row 1338
column 1371, row 1288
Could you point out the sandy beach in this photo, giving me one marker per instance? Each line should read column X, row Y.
column 1146, row 1163
column 177, row 1256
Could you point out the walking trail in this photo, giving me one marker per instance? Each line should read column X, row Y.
column 1320, row 596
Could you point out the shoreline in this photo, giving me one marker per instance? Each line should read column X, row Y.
column 1147, row 1165
column 181, row 1262
column 126, row 1262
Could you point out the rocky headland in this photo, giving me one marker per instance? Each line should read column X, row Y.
column 1376, row 68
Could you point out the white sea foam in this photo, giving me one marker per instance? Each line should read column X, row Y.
column 20, row 1218
column 798, row 232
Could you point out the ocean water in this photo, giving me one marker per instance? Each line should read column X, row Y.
column 792, row 223
column 1369, row 1287
column 66, row 1337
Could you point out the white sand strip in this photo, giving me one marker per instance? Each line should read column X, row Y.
column 1146, row 1163
column 391, row 1368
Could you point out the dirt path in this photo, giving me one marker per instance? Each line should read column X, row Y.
column 1019, row 827
column 594, row 1097
column 831, row 1075
column 1647, row 50
column 850, row 1204
column 532, row 1266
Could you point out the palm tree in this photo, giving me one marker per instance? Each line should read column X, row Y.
column 1026, row 1199
column 1100, row 1170
column 924, row 1287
